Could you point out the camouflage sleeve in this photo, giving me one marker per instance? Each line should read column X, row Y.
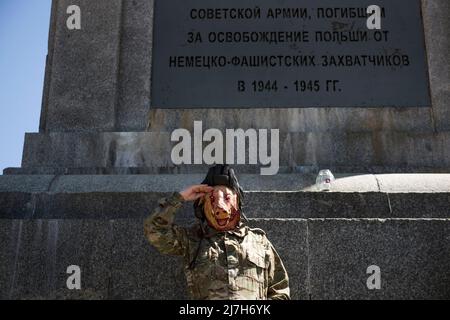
column 160, row 230
column 278, row 278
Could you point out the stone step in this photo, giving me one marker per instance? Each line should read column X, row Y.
column 120, row 205
column 283, row 196
column 344, row 182
column 242, row 169
column 355, row 151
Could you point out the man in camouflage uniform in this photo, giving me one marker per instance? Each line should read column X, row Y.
column 223, row 257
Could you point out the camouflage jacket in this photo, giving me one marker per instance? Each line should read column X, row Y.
column 238, row 264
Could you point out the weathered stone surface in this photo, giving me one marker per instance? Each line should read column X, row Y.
column 115, row 205
column 352, row 182
column 387, row 183
column 122, row 204
column 26, row 183
column 96, row 205
column 87, row 243
column 135, row 66
column 36, row 258
column 43, row 249
column 413, row 256
column 131, row 196
column 392, row 183
column 17, row 204
column 437, row 26
column 316, row 204
column 99, row 80
column 420, row 204
column 115, row 259
column 9, row 238
column 290, row 239
column 325, row 258
column 140, row 272
column 162, row 182
column 132, row 87
column 82, row 89
column 97, row 150
column 297, row 120
column 359, row 152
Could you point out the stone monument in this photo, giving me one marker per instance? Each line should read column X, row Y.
column 371, row 105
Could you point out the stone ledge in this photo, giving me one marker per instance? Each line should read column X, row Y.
column 241, row 169
column 345, row 182
column 284, row 196
column 120, row 205
column 395, row 149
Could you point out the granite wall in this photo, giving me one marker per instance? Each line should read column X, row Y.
column 97, row 109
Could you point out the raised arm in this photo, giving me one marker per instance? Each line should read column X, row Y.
column 159, row 227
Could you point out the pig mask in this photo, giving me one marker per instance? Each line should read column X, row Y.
column 221, row 208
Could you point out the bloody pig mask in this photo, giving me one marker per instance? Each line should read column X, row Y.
column 221, row 208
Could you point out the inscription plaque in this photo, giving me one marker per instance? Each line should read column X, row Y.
column 291, row 53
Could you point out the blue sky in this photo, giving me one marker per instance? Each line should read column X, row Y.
column 23, row 47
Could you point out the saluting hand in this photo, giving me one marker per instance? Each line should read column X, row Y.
column 194, row 192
